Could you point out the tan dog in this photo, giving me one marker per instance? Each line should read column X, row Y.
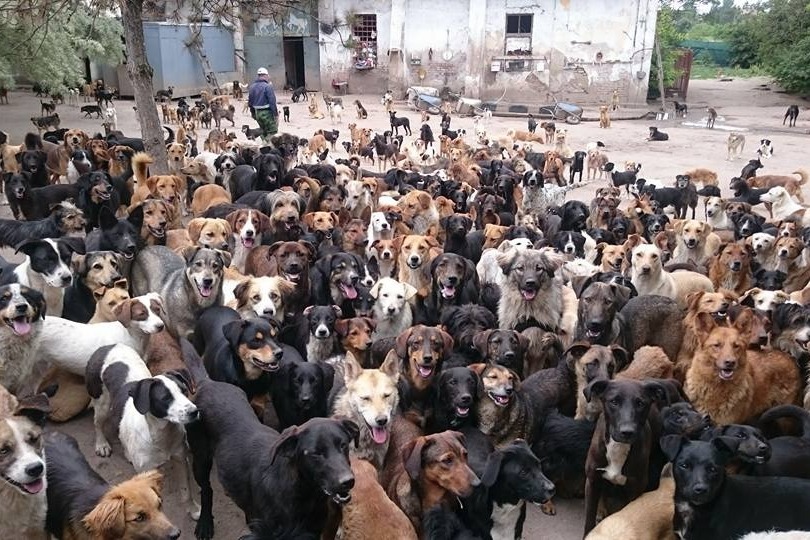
column 420, row 212
column 167, row 188
column 211, row 233
column 520, row 135
column 415, row 255
column 208, row 196
column 591, row 362
column 790, row 183
column 702, row 176
column 731, row 268
column 715, row 303
column 649, row 277
column 696, row 242
column 158, row 215
column 604, row 117
column 177, row 157
column 107, row 301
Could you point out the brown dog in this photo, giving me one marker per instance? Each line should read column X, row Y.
column 715, row 303
column 371, row 515
column 415, row 255
column 433, row 471
column 422, row 349
column 503, row 411
column 208, row 196
column 732, row 384
column 212, row 233
column 731, row 268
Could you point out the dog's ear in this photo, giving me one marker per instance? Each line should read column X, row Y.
column 390, row 366
column 36, row 408
column 286, row 444
column 189, row 252
column 621, row 356
column 595, row 389
column 342, row 327
column 75, row 245
column 704, row 324
column 352, row 368
column 401, row 346
column 412, row 456
column 123, row 312
column 410, row 290
column 307, row 219
column 338, row 311
column 492, row 469
column 693, row 299
column 140, row 394
column 744, row 322
column 580, row 283
column 726, row 447
column 135, row 217
column 375, row 289
column 621, row 294
column 480, row 341
column 447, row 341
column 108, row 518
column 748, row 298
column 233, row 332
column 478, row 368
column 575, row 351
column 656, row 392
column 671, row 445
column 351, row 429
column 397, row 243
column 328, row 375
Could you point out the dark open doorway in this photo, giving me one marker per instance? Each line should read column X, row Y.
column 294, row 61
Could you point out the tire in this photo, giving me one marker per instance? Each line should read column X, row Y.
column 434, row 110
column 572, row 119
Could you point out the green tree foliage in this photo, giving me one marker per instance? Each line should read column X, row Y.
column 47, row 43
column 668, row 37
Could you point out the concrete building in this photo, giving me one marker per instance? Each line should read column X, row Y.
column 524, row 51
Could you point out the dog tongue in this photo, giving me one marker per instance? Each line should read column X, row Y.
column 380, row 435
column 349, row 291
column 247, row 242
column 448, row 291
column 528, row 295
column 425, row 371
column 21, row 326
column 34, row 487
column 205, row 291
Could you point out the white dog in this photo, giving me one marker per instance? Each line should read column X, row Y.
column 784, row 206
column 392, row 310
column 336, row 113
column 111, row 117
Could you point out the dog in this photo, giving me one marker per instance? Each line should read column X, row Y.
column 369, row 399
column 783, row 206
column 730, row 269
column 604, row 117
column 262, row 297
column 696, row 242
column 617, row 465
column 435, row 464
column 22, row 310
column 322, row 339
column 701, row 482
column 415, row 255
column 656, row 135
column 598, row 319
column 397, row 122
column 730, row 383
column 532, row 294
column 711, row 118
column 247, row 228
column 681, row 109
column 285, row 111
column 147, row 414
column 735, row 145
column 648, row 276
column 791, row 114
column 47, row 268
column 750, row 168
column 44, row 122
column 309, row 461
column 765, row 149
column 362, row 114
column 23, row 465
column 622, row 178
column 188, row 284
column 392, row 308
column 91, row 109
column 504, row 412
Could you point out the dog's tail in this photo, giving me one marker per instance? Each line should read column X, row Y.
column 797, row 413
column 140, row 167
column 193, row 362
column 803, row 175
column 170, row 136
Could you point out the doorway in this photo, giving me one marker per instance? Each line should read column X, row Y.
column 294, row 61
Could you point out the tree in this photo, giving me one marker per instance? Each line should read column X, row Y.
column 667, row 39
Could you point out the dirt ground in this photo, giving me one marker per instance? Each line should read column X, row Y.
column 748, row 106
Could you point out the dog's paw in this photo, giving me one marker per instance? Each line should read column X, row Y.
column 548, row 508
column 194, row 512
column 103, row 450
column 205, row 528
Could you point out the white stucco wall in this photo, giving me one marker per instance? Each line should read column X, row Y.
column 466, row 36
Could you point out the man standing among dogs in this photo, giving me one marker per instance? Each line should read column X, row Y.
column 262, row 103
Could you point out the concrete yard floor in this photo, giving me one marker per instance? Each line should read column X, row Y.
column 744, row 105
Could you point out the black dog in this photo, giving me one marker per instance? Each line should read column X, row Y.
column 622, row 178
column 791, row 114
column 426, row 134
column 711, row 505
column 251, row 133
column 455, row 282
column 656, row 135
column 750, row 169
column 532, row 124
column 770, row 280
column 577, row 165
column 681, row 109
column 298, row 93
column 119, row 235
column 747, row 224
column 689, row 195
column 240, row 352
column 396, row 122
column 745, row 193
column 570, row 242
column 33, row 162
column 654, row 224
column 334, row 280
column 504, row 347
column 574, row 216
column 64, row 219
column 454, row 401
column 91, row 109
column 285, row 111
column 265, row 470
column 300, row 391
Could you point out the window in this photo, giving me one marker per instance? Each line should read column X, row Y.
column 519, row 24
column 364, row 35
column 518, row 36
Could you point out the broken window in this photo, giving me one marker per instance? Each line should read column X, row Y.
column 364, row 34
column 519, row 34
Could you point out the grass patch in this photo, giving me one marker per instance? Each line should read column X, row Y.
column 704, row 71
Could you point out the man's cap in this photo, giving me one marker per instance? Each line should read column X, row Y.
column 262, row 71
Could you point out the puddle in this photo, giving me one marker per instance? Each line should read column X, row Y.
column 717, row 125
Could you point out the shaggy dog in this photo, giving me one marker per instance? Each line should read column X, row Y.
column 531, row 294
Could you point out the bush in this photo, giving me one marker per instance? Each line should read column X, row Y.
column 791, row 67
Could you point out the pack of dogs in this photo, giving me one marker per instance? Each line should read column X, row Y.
column 425, row 346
